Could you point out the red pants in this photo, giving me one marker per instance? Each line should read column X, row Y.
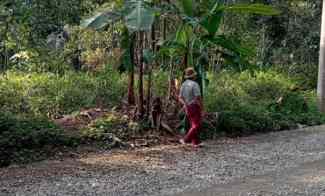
column 194, row 114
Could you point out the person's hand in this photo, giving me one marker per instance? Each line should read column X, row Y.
column 182, row 110
column 185, row 109
column 204, row 114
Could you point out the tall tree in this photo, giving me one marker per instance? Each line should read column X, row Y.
column 321, row 73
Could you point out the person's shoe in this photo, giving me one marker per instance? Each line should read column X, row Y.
column 200, row 145
column 182, row 141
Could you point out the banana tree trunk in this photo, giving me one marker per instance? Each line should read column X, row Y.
column 141, row 97
column 321, row 73
column 131, row 97
column 150, row 67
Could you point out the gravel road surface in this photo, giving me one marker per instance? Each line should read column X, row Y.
column 282, row 163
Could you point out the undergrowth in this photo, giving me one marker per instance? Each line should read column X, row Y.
column 247, row 102
column 26, row 138
column 50, row 94
column 260, row 101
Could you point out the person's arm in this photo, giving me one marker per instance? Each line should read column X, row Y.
column 181, row 100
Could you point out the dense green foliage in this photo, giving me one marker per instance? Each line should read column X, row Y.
column 305, row 75
column 51, row 95
column 22, row 137
column 289, row 39
column 260, row 101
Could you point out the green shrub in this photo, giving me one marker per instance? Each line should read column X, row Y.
column 20, row 137
column 258, row 102
column 160, row 83
column 110, row 124
column 12, row 94
column 290, row 103
column 111, row 86
column 245, row 120
column 224, row 92
column 50, row 94
column 265, row 85
column 304, row 74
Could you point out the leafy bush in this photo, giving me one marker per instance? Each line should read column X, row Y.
column 245, row 120
column 47, row 93
column 224, row 92
column 265, row 85
column 160, row 83
column 305, row 75
column 20, row 136
column 112, row 123
column 259, row 101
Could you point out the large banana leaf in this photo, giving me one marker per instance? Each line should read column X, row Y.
column 137, row 15
column 255, row 8
column 228, row 44
column 102, row 20
column 141, row 18
column 184, row 34
column 211, row 23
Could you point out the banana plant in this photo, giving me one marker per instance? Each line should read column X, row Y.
column 199, row 32
column 137, row 16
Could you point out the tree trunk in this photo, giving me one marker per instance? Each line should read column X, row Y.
column 321, row 73
column 140, row 105
column 150, row 67
column 149, row 93
column 164, row 29
column 171, row 85
column 5, row 49
column 131, row 97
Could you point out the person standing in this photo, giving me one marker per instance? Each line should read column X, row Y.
column 190, row 97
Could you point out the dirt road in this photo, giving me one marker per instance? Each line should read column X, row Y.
column 306, row 179
column 283, row 163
